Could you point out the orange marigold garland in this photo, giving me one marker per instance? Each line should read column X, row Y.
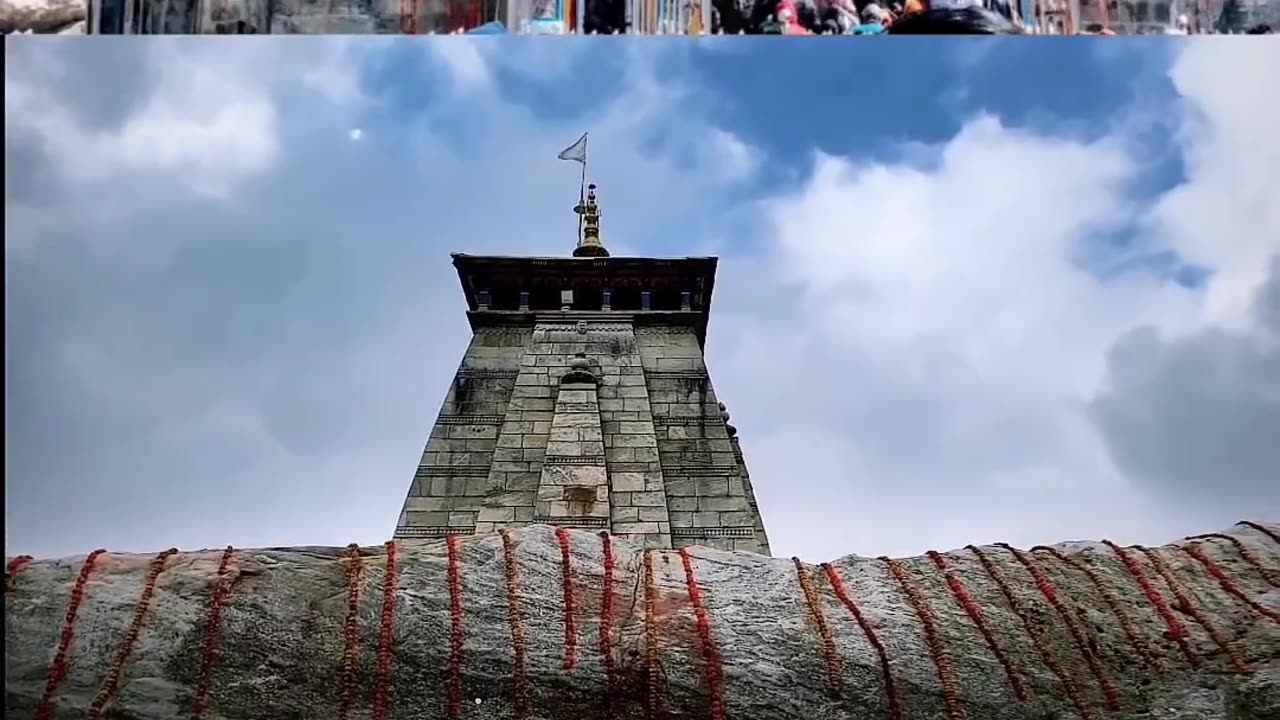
column 712, row 664
column 1050, row 593
column 1225, row 582
column 570, row 600
column 1262, row 529
column 1176, row 630
column 966, row 601
column 933, row 638
column 58, row 671
column 606, row 622
column 896, row 710
column 519, row 633
column 830, row 656
column 1269, row 575
column 1037, row 641
column 115, row 673
column 456, row 637
column 15, row 566
column 653, row 681
column 1136, row 641
column 211, row 650
column 1187, row 603
column 351, row 633
column 387, row 634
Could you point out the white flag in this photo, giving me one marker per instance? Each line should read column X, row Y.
column 576, row 151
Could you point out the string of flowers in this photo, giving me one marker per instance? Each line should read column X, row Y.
column 11, row 570
column 1225, row 582
column 570, row 600
column 933, row 639
column 1176, row 631
column 116, row 670
column 712, row 664
column 348, row 682
column 519, row 633
column 830, row 656
column 1050, row 593
column 1269, row 575
column 606, row 622
column 456, row 637
column 210, row 652
column 1136, row 641
column 653, row 682
column 1187, row 603
column 966, row 601
column 387, row 634
column 1037, row 640
column 58, row 670
column 896, row 708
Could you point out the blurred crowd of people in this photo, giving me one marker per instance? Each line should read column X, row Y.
column 837, row 17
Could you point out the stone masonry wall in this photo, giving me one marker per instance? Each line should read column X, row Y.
column 705, row 494
column 452, row 479
column 637, row 502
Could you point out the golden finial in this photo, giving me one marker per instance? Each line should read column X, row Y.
column 589, row 245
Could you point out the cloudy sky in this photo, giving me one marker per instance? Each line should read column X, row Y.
column 969, row 291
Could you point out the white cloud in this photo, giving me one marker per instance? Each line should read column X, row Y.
column 355, row 133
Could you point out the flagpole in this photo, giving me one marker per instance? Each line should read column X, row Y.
column 582, row 197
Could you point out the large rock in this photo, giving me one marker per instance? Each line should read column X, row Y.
column 40, row 16
column 492, row 627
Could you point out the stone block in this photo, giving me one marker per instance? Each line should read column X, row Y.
column 573, row 475
column 537, row 415
column 575, row 396
column 681, row 518
column 591, row 434
column 635, row 404
column 525, row 481
column 510, row 467
column 632, row 380
column 622, row 454
column 711, row 486
column 510, row 440
column 678, row 487
column 610, row 404
column 653, row 514
column 648, row 498
column 646, row 440
column 635, row 428
column 683, row 504
column 496, row 515
column 626, row 514
column 425, row 504
column 484, row 445
column 508, row 454
column 646, row 454
column 626, row 528
column 541, row 428
column 628, row 482
column 428, row 518
column 737, row 519
column 720, row 504
column 524, row 514
column 533, row 455
column 534, row 441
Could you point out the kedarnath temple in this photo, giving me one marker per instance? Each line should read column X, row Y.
column 583, row 401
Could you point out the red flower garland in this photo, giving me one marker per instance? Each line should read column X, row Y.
column 896, row 711
column 933, row 639
column 1225, row 582
column 456, row 636
column 387, row 635
column 1050, row 594
column 1037, row 641
column 351, row 634
column 570, row 601
column 1268, row 575
column 1136, row 641
column 58, row 671
column 966, row 601
column 211, row 650
column 519, row 633
column 1176, row 630
column 1186, row 602
column 830, row 656
column 606, row 622
column 15, row 566
column 653, row 683
column 115, row 673
column 712, row 663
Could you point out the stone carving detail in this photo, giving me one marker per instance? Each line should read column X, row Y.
column 452, row 471
column 581, row 327
column 676, row 375
column 436, row 531
column 574, row 521
column 672, row 471
column 712, row 532
column 608, row 327
column 480, row 373
column 573, row 460
column 679, row 420
column 470, row 419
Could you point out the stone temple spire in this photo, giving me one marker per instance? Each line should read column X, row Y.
column 589, row 245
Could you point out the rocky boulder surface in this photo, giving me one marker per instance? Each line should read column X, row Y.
column 568, row 625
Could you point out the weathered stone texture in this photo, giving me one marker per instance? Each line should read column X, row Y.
column 738, row 636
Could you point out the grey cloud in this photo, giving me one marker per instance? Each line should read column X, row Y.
column 1198, row 417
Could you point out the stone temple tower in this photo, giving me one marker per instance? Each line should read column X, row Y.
column 583, row 401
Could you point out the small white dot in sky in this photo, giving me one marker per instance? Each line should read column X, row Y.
column 356, row 133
